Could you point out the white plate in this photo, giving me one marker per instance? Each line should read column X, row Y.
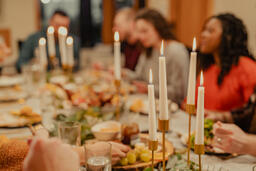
column 7, row 81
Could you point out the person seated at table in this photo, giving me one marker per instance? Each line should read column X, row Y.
column 125, row 25
column 229, row 69
column 232, row 139
column 27, row 52
column 237, row 136
column 152, row 28
column 244, row 117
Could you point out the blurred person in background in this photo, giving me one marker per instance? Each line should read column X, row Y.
column 125, row 25
column 152, row 28
column 27, row 52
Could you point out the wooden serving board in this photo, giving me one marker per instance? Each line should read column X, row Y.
column 157, row 156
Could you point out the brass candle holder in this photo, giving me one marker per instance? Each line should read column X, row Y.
column 199, row 149
column 68, row 71
column 190, row 109
column 163, row 126
column 152, row 145
column 118, row 91
column 53, row 62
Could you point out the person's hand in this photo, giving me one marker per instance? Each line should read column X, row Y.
column 218, row 116
column 50, row 155
column 230, row 138
column 141, row 86
column 118, row 150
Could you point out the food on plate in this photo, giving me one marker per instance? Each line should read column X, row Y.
column 137, row 105
column 27, row 112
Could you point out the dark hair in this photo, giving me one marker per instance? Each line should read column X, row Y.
column 158, row 21
column 233, row 45
column 60, row 12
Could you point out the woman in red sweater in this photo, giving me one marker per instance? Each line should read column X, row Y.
column 229, row 69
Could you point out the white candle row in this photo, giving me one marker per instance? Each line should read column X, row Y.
column 65, row 46
column 163, row 101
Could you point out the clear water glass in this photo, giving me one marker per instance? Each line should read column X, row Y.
column 98, row 157
column 70, row 133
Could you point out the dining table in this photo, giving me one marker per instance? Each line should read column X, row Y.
column 178, row 128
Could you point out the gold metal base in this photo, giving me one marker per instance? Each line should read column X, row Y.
column 118, row 87
column 117, row 83
column 199, row 149
column 163, row 125
column 191, row 109
column 152, row 145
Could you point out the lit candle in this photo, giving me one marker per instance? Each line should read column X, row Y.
column 192, row 76
column 62, row 34
column 152, row 109
column 199, row 137
column 42, row 52
column 163, row 101
column 70, row 51
column 51, row 42
column 117, row 57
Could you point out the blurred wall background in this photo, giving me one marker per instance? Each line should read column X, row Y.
column 22, row 17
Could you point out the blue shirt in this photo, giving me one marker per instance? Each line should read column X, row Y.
column 29, row 46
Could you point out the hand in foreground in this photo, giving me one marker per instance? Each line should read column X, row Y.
column 50, row 155
column 230, row 138
column 218, row 116
column 118, row 150
column 141, row 86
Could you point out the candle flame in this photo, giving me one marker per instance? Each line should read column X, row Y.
column 201, row 79
column 69, row 40
column 42, row 41
column 162, row 48
column 63, row 30
column 194, row 45
column 50, row 30
column 116, row 36
column 150, row 76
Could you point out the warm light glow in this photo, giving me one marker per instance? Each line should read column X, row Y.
column 162, row 48
column 150, row 76
column 63, row 30
column 69, row 40
column 50, row 30
column 201, row 79
column 194, row 45
column 42, row 41
column 116, row 36
column 45, row 1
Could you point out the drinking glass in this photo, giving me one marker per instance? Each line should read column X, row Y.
column 70, row 133
column 98, row 156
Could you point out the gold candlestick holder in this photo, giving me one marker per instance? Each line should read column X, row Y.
column 118, row 88
column 190, row 109
column 68, row 71
column 163, row 126
column 199, row 149
column 152, row 145
column 53, row 62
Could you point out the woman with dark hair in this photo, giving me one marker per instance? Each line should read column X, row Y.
column 151, row 29
column 229, row 68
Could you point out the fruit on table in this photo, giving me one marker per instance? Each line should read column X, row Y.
column 146, row 157
column 131, row 156
column 124, row 161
